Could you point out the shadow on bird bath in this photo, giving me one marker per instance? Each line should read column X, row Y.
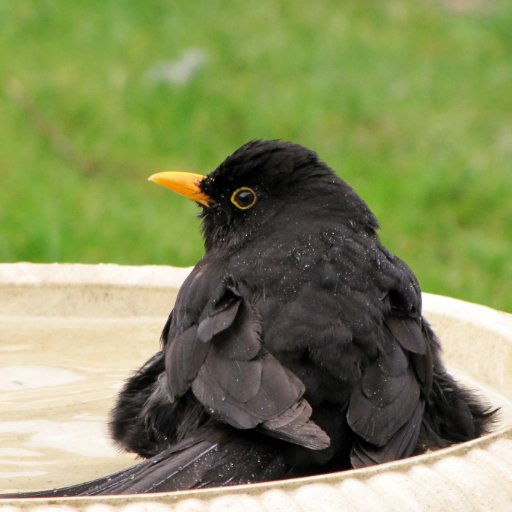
column 55, row 400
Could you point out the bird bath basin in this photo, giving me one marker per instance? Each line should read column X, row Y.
column 70, row 335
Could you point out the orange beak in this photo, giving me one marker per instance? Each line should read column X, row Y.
column 184, row 183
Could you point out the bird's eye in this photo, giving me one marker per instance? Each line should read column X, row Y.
column 243, row 198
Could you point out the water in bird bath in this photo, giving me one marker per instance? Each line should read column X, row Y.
column 59, row 375
column 58, row 379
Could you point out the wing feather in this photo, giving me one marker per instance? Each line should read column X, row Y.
column 401, row 444
column 184, row 356
column 223, row 361
column 408, row 332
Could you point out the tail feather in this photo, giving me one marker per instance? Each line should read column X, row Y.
column 216, row 456
column 453, row 415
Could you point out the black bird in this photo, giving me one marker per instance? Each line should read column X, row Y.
column 296, row 345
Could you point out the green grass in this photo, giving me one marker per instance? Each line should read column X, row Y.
column 410, row 102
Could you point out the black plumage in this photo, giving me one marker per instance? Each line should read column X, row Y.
column 296, row 345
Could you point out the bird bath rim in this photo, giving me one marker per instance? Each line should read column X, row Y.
column 108, row 290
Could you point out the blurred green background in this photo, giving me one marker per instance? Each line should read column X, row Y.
column 410, row 102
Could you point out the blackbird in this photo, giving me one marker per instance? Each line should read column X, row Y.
column 296, row 345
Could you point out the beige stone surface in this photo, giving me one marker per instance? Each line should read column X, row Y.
column 70, row 334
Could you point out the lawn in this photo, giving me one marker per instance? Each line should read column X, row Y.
column 409, row 101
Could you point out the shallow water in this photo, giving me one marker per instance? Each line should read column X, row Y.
column 58, row 380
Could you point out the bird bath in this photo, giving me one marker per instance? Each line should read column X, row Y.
column 70, row 335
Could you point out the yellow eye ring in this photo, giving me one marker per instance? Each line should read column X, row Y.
column 243, row 198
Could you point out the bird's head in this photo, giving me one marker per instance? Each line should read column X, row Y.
column 266, row 182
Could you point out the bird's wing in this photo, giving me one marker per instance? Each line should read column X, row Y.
column 221, row 358
column 386, row 407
